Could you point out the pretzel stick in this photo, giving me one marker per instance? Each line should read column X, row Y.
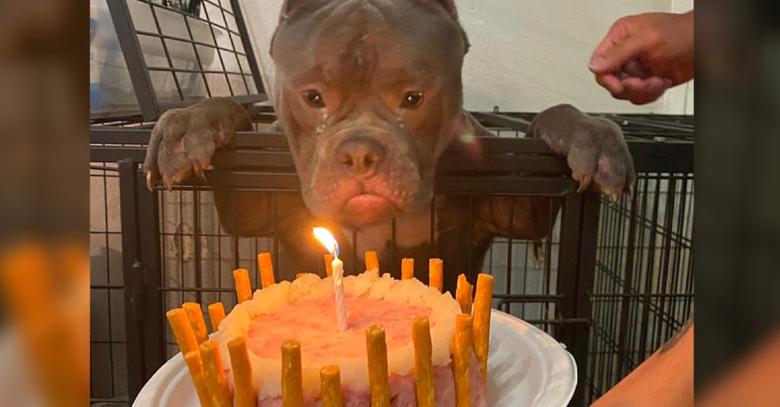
column 246, row 394
column 372, row 260
column 266, row 269
column 482, row 306
column 377, row 366
column 463, row 294
column 216, row 315
column 461, row 360
column 328, row 258
column 195, row 366
column 423, row 366
column 195, row 315
column 330, row 386
column 215, row 374
column 407, row 268
column 243, row 285
column 436, row 273
column 182, row 330
column 292, row 375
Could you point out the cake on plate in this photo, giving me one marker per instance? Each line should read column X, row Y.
column 405, row 343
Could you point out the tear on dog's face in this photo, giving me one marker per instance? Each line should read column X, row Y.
column 368, row 94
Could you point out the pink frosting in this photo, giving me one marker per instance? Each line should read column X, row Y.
column 313, row 323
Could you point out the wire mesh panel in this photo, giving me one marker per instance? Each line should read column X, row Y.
column 643, row 284
column 117, row 355
column 175, row 53
column 643, row 290
column 198, row 256
column 178, row 53
column 107, row 330
column 526, row 271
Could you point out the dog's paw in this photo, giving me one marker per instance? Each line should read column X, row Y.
column 181, row 144
column 598, row 156
column 594, row 147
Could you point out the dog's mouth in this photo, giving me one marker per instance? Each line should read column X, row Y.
column 367, row 208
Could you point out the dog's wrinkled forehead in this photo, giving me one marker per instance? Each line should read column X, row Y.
column 350, row 42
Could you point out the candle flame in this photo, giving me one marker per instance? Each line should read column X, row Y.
column 327, row 240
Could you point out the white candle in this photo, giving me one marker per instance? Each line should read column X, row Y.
column 338, row 294
column 330, row 243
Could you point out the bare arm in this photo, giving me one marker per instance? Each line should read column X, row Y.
column 752, row 382
column 664, row 379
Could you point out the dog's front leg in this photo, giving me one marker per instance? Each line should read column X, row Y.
column 183, row 143
column 529, row 218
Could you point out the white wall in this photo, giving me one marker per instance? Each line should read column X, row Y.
column 525, row 55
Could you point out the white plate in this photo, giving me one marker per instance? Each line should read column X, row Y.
column 526, row 367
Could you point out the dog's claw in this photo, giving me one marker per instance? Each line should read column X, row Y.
column 149, row 185
column 584, row 183
column 168, row 182
column 538, row 251
column 198, row 170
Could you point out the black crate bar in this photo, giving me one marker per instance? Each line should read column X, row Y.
column 141, row 263
column 247, row 45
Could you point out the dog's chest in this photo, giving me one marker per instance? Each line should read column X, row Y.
column 407, row 231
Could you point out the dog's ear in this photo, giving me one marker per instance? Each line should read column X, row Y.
column 288, row 7
column 449, row 6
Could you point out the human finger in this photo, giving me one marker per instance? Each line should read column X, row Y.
column 642, row 91
column 610, row 82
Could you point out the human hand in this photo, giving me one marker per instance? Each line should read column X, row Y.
column 643, row 55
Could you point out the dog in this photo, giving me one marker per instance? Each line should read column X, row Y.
column 368, row 94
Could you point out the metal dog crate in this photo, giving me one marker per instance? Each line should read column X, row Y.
column 612, row 281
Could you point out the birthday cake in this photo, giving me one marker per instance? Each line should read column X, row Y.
column 403, row 341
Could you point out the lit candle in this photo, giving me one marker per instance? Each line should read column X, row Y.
column 330, row 243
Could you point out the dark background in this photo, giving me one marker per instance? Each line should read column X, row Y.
column 737, row 216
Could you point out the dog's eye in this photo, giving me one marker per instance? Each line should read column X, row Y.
column 412, row 100
column 314, row 99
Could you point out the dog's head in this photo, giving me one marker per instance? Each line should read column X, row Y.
column 369, row 94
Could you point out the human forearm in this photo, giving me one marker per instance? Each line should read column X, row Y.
column 664, row 379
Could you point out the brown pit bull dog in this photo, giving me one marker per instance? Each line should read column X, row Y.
column 369, row 94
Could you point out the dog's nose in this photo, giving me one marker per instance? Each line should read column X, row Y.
column 361, row 155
